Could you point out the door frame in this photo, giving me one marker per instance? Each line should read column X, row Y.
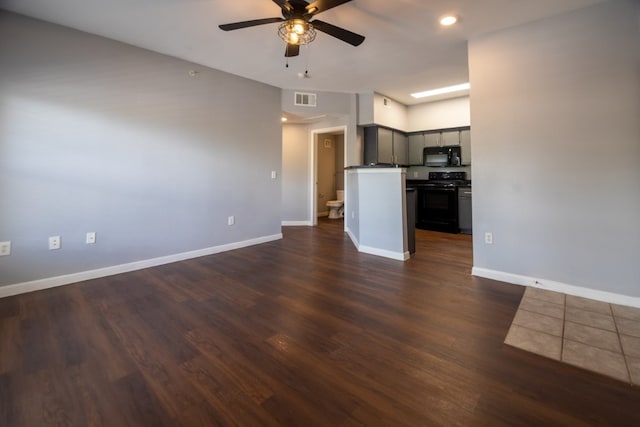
column 313, row 168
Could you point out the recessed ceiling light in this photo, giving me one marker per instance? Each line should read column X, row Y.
column 440, row 91
column 448, row 20
column 284, row 119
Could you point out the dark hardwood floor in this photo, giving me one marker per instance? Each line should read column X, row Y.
column 300, row 332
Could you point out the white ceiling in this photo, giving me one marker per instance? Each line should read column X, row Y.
column 405, row 48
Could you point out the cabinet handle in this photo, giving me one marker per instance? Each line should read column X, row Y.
column 467, row 192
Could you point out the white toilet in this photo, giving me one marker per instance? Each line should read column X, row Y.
column 336, row 207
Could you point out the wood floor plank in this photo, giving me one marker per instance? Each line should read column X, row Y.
column 300, row 331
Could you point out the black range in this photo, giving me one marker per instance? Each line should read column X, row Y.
column 437, row 201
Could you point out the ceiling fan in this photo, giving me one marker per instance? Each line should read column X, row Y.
column 296, row 27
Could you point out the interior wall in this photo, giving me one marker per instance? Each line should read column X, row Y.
column 101, row 136
column 295, row 174
column 443, row 114
column 554, row 112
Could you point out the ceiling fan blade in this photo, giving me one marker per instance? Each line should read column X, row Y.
column 292, row 50
column 322, row 5
column 337, row 32
column 252, row 23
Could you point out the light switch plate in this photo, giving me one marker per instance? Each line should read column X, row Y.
column 91, row 238
column 54, row 242
column 5, row 248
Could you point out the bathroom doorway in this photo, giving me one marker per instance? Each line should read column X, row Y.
column 328, row 162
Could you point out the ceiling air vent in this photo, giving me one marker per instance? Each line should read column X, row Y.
column 305, row 99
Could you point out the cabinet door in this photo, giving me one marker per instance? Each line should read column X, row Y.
column 370, row 145
column 385, row 145
column 416, row 148
column 400, row 148
column 465, row 146
column 451, row 138
column 465, row 221
column 432, row 139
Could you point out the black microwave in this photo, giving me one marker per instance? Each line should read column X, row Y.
column 442, row 156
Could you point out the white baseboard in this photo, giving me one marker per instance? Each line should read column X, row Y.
column 352, row 237
column 297, row 223
column 400, row 256
column 564, row 288
column 51, row 282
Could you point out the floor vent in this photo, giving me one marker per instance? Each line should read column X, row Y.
column 305, row 99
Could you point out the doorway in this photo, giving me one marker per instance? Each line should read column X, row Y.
column 327, row 162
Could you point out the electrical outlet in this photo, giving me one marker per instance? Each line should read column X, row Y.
column 54, row 242
column 488, row 238
column 415, row 174
column 91, row 238
column 5, row 248
column 231, row 220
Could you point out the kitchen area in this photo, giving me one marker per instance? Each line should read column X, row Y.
column 437, row 166
column 406, row 167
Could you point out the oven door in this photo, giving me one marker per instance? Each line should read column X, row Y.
column 438, row 209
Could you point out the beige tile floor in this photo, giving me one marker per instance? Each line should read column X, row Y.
column 593, row 335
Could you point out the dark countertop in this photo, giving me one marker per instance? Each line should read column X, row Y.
column 376, row 166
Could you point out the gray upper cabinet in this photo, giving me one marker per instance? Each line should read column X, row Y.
column 382, row 145
column 433, row 139
column 439, row 138
column 400, row 148
column 465, row 146
column 385, row 145
column 416, row 148
column 450, row 138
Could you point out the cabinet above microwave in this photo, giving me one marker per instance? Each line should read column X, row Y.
column 459, row 136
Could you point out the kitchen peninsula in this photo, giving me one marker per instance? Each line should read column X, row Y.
column 378, row 203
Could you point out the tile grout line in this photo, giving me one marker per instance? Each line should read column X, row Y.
column 624, row 355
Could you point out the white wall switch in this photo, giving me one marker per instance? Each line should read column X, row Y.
column 231, row 220
column 274, row 174
column 488, row 238
column 415, row 174
column 5, row 248
column 91, row 238
column 54, row 242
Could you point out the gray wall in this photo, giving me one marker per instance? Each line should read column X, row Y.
column 295, row 173
column 101, row 136
column 555, row 113
column 341, row 110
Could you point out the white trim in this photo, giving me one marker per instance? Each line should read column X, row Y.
column 296, row 223
column 400, row 256
column 564, row 288
column 313, row 167
column 51, row 282
column 352, row 237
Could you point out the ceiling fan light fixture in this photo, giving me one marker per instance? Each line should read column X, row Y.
column 297, row 31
